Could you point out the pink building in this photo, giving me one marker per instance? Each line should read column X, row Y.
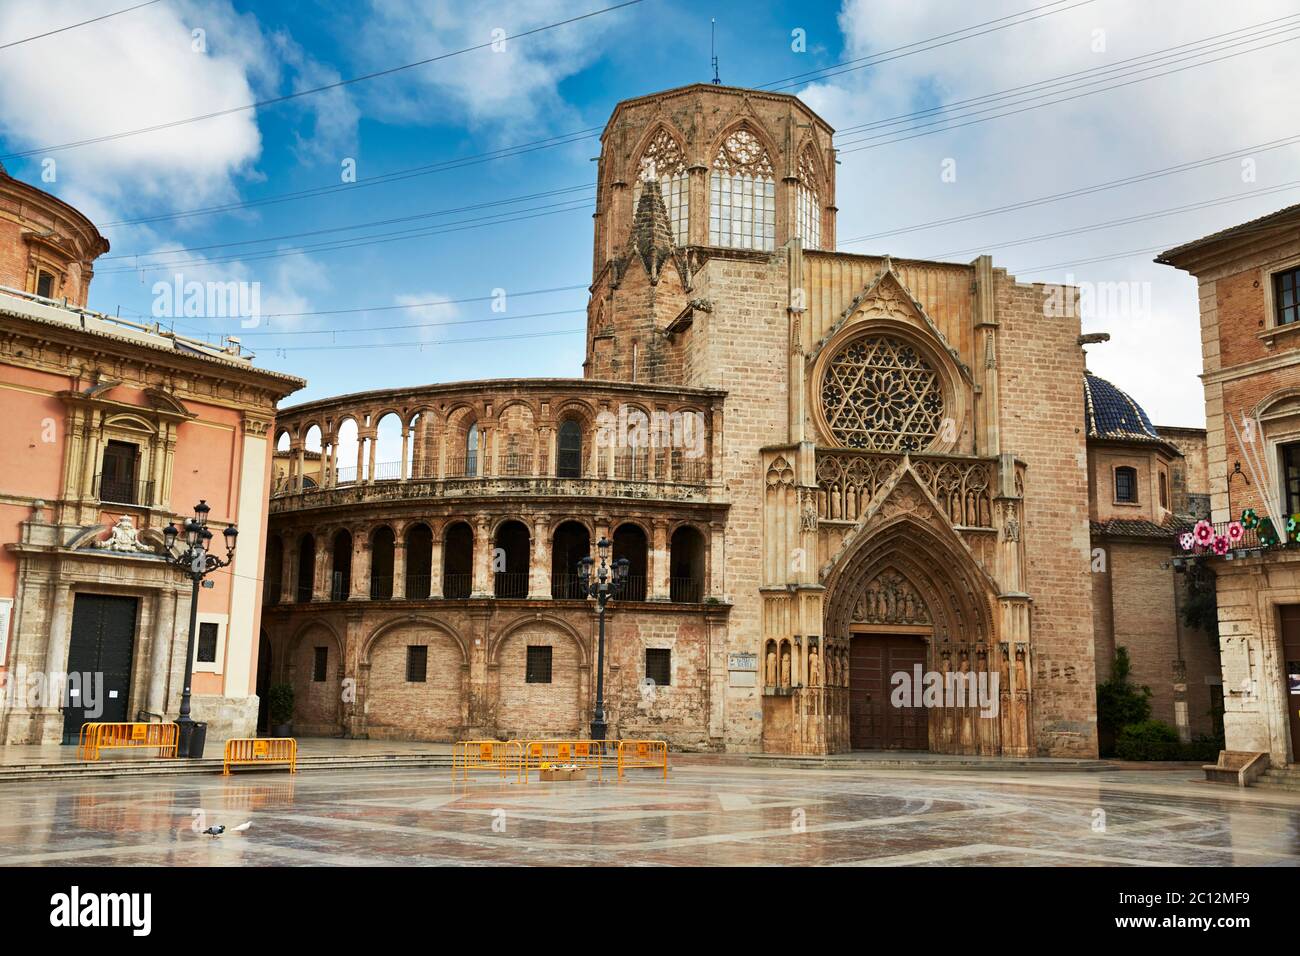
column 114, row 429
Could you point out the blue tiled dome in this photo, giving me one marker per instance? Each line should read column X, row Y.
column 1111, row 413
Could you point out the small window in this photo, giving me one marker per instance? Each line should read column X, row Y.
column 417, row 663
column 539, row 665
column 569, row 462
column 659, row 665
column 320, row 664
column 1164, row 491
column 207, row 643
column 1286, row 296
column 1126, row 485
column 471, row 451
column 1291, row 477
column 45, row 285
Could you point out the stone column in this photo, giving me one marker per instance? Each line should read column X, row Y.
column 399, row 568
column 405, row 471
column 360, row 583
column 482, row 558
column 299, row 483
column 659, row 563
column 435, row 564
column 717, row 559
column 56, row 648
column 164, row 621
column 539, row 568
column 361, row 451
column 374, row 444
column 289, row 573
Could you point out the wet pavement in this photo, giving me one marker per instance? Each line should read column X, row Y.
column 702, row 815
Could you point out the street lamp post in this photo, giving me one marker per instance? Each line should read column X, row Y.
column 196, row 562
column 601, row 585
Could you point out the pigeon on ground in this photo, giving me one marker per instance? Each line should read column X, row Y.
column 215, row 831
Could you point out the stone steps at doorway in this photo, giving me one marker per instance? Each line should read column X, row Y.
column 109, row 767
column 913, row 760
column 1279, row 778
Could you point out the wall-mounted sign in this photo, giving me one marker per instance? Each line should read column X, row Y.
column 742, row 662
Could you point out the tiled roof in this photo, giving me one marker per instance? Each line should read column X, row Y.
column 1263, row 222
column 1111, row 413
column 1128, row 528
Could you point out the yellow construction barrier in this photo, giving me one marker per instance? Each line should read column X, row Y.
column 259, row 752
column 581, row 753
column 503, row 756
column 95, row 737
column 643, row 753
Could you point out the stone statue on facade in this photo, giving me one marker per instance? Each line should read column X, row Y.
column 124, row 538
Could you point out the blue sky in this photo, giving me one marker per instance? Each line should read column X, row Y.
column 142, row 68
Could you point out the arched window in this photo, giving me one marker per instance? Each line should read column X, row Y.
column 341, row 579
column 686, row 557
column 568, row 462
column 458, row 561
column 569, row 545
column 306, row 568
column 510, row 577
column 382, row 547
column 1126, row 485
column 742, row 194
column 662, row 161
column 809, row 211
column 630, row 542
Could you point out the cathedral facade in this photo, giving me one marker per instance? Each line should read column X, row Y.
column 853, row 490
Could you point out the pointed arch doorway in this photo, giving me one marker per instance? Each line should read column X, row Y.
column 876, row 655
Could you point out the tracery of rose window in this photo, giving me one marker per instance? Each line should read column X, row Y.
column 879, row 393
column 742, row 194
column 662, row 160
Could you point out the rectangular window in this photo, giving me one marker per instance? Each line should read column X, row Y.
column 45, row 285
column 1286, row 296
column 1291, row 477
column 117, row 475
column 1126, row 485
column 417, row 663
column 207, row 643
column 320, row 664
column 538, row 665
column 1164, row 491
column 659, row 665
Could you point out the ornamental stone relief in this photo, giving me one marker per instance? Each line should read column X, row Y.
column 890, row 599
column 879, row 393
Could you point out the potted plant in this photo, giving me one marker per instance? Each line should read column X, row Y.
column 279, row 704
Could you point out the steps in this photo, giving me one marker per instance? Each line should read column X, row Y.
column 1280, row 778
column 937, row 762
column 109, row 768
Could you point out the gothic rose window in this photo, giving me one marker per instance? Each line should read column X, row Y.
column 662, row 161
column 879, row 393
column 742, row 195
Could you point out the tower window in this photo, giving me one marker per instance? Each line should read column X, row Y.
column 45, row 285
column 1126, row 485
column 809, row 202
column 742, row 195
column 662, row 162
column 1164, row 491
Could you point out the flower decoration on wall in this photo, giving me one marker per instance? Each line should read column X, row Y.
column 1267, row 533
column 1203, row 532
column 1187, row 541
column 1235, row 531
column 1249, row 519
column 1220, row 544
column 1293, row 527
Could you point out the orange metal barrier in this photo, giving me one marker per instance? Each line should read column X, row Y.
column 503, row 756
column 95, row 737
column 258, row 752
column 581, row 753
column 643, row 753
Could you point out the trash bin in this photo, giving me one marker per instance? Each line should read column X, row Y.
column 198, row 737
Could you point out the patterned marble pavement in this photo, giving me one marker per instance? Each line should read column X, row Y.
column 702, row 815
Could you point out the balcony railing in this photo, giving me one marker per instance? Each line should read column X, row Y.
column 1231, row 539
column 381, row 587
column 417, row 586
column 115, row 491
column 566, row 587
column 340, row 585
column 685, row 590
column 510, row 584
column 457, row 586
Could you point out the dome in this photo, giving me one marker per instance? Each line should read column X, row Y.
column 1112, row 413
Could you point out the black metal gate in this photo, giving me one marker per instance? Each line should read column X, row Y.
column 103, row 635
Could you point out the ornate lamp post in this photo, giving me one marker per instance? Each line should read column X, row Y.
column 602, row 585
column 198, row 564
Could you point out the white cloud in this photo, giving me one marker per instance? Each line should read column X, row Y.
column 1153, row 354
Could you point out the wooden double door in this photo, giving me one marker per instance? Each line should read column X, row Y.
column 103, row 636
column 874, row 722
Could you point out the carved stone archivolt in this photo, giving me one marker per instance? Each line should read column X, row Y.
column 890, row 599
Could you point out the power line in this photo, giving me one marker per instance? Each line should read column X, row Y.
column 421, row 305
column 336, row 245
column 359, row 225
column 422, row 344
column 1065, row 99
column 877, row 58
column 73, row 26
column 1164, row 54
column 275, row 100
column 1085, row 190
column 484, row 320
